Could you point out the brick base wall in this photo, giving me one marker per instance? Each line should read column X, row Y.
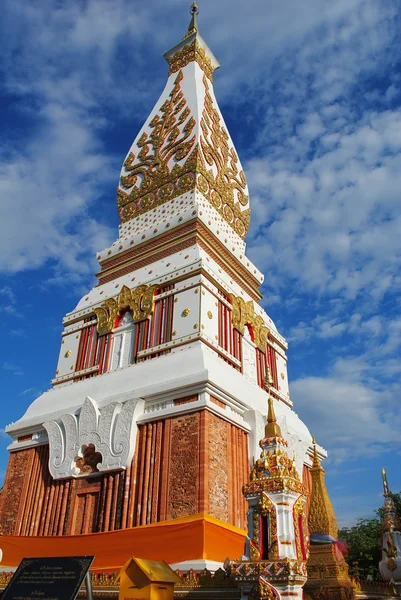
column 182, row 465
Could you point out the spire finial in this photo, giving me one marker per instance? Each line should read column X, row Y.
column 316, row 460
column 193, row 25
column 272, row 428
column 269, row 381
column 385, row 483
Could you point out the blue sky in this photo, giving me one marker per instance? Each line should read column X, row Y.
column 311, row 93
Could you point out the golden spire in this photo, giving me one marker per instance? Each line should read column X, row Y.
column 316, row 460
column 193, row 25
column 269, row 381
column 272, row 428
column 385, row 484
column 322, row 518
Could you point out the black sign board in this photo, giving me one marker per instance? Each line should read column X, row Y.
column 55, row 578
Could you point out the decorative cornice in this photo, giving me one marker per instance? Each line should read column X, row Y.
column 173, row 241
column 140, row 300
column 192, row 52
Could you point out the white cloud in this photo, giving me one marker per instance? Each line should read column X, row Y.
column 15, row 369
column 347, row 417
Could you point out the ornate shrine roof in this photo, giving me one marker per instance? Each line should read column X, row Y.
column 183, row 164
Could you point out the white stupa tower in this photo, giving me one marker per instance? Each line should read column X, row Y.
column 159, row 399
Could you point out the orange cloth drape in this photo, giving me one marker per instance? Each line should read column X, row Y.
column 189, row 538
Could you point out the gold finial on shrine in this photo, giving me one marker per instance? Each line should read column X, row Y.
column 272, row 428
column 386, row 492
column 316, row 459
column 269, row 381
column 193, row 25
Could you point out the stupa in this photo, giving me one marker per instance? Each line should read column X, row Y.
column 160, row 394
column 390, row 565
column 277, row 546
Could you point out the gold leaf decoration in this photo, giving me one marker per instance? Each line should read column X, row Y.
column 243, row 313
column 322, row 519
column 262, row 590
column 139, row 300
column 224, row 185
column 150, row 178
column 155, row 175
column 191, row 52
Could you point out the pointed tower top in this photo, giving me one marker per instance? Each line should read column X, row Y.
column 272, row 428
column 316, row 460
column 386, row 491
column 322, row 518
column 182, row 166
column 193, row 25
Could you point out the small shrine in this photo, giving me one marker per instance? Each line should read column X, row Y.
column 276, row 550
column 142, row 579
column 390, row 565
column 328, row 576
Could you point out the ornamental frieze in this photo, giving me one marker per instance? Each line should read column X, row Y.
column 139, row 300
column 243, row 313
column 191, row 52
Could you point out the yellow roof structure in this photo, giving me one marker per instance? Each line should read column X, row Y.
column 156, row 571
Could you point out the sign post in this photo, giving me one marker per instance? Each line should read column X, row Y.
column 54, row 578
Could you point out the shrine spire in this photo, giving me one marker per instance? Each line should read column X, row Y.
column 272, row 428
column 184, row 160
column 193, row 25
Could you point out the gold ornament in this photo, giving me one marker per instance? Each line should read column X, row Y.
column 150, row 178
column 322, row 519
column 243, row 313
column 262, row 591
column 191, row 53
column 156, row 176
column 139, row 300
column 223, row 185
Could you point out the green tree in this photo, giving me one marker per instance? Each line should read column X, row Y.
column 364, row 545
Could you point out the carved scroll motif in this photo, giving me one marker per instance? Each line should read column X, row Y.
column 155, row 176
column 224, row 185
column 109, row 432
column 243, row 313
column 140, row 300
column 172, row 161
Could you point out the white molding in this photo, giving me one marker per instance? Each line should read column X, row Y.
column 197, row 565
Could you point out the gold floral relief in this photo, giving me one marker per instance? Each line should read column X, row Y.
column 299, row 512
column 243, row 313
column 219, row 177
column 140, row 301
column 155, row 176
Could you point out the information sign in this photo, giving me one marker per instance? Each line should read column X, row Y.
column 53, row 578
